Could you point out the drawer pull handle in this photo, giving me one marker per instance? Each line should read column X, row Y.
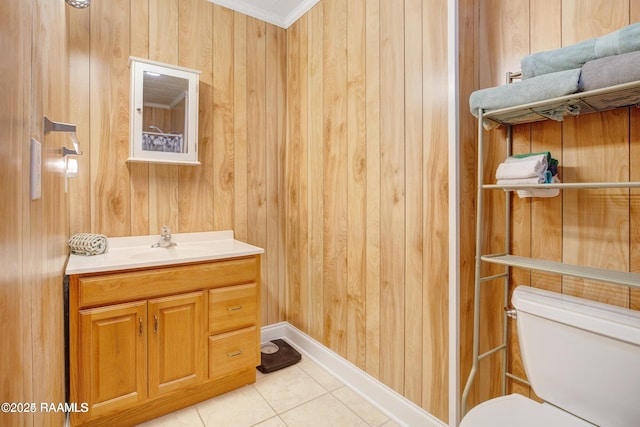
column 234, row 354
column 234, row 308
column 140, row 326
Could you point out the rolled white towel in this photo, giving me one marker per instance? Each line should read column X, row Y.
column 88, row 244
column 522, row 168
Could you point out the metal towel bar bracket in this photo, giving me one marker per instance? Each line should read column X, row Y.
column 51, row 126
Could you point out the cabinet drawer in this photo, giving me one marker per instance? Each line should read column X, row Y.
column 232, row 307
column 232, row 352
column 132, row 285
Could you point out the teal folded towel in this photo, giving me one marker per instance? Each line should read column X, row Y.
column 626, row 39
column 525, row 155
column 526, row 91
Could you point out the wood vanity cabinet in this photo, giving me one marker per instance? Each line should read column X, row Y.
column 146, row 342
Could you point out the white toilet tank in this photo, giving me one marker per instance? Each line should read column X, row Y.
column 581, row 356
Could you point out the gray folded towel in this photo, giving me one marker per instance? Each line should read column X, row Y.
column 610, row 71
column 526, row 91
column 626, row 39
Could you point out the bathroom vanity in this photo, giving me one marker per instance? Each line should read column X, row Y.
column 152, row 330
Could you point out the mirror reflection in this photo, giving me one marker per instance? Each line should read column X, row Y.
column 164, row 112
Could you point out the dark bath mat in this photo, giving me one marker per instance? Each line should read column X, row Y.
column 277, row 354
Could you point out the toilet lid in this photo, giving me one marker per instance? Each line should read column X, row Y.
column 517, row 410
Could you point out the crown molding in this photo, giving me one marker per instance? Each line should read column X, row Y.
column 249, row 8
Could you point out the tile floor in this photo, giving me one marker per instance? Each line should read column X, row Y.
column 302, row 395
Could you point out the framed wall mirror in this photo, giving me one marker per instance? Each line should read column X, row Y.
column 164, row 113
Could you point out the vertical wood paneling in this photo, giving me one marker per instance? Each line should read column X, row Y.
column 195, row 50
column 362, row 132
column 282, row 97
column 497, row 55
column 316, row 172
column 292, row 177
column 80, row 107
column 356, row 183
column 335, row 174
column 163, row 30
column 223, row 144
column 435, row 294
column 303, row 189
column 241, row 128
column 392, row 189
column 373, row 160
column 33, row 233
column 275, row 73
column 256, row 179
column 469, row 81
column 16, row 247
column 414, row 234
column 109, row 71
column 139, row 172
column 49, row 231
column 596, row 222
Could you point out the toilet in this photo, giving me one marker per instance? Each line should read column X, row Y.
column 581, row 357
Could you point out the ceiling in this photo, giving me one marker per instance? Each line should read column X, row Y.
column 277, row 12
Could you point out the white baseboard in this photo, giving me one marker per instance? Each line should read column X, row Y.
column 387, row 400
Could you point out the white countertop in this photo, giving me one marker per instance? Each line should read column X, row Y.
column 136, row 252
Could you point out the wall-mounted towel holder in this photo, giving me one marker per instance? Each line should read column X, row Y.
column 51, row 126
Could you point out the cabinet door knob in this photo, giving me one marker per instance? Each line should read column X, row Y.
column 155, row 323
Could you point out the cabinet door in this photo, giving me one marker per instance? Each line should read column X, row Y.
column 177, row 342
column 112, row 360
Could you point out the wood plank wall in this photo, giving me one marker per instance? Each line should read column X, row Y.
column 33, row 234
column 366, row 189
column 241, row 127
column 592, row 227
column 325, row 144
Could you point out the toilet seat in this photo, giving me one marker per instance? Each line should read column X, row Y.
column 516, row 410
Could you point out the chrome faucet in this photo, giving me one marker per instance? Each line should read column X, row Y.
column 165, row 239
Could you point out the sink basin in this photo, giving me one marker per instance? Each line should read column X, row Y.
column 172, row 252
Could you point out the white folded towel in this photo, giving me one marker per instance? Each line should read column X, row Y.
column 523, row 181
column 528, row 167
column 541, row 192
column 541, row 157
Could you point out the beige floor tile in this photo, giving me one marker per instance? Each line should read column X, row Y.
column 288, row 388
column 318, row 373
column 321, row 412
column 239, row 408
column 272, row 422
column 391, row 423
column 357, row 404
column 187, row 417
